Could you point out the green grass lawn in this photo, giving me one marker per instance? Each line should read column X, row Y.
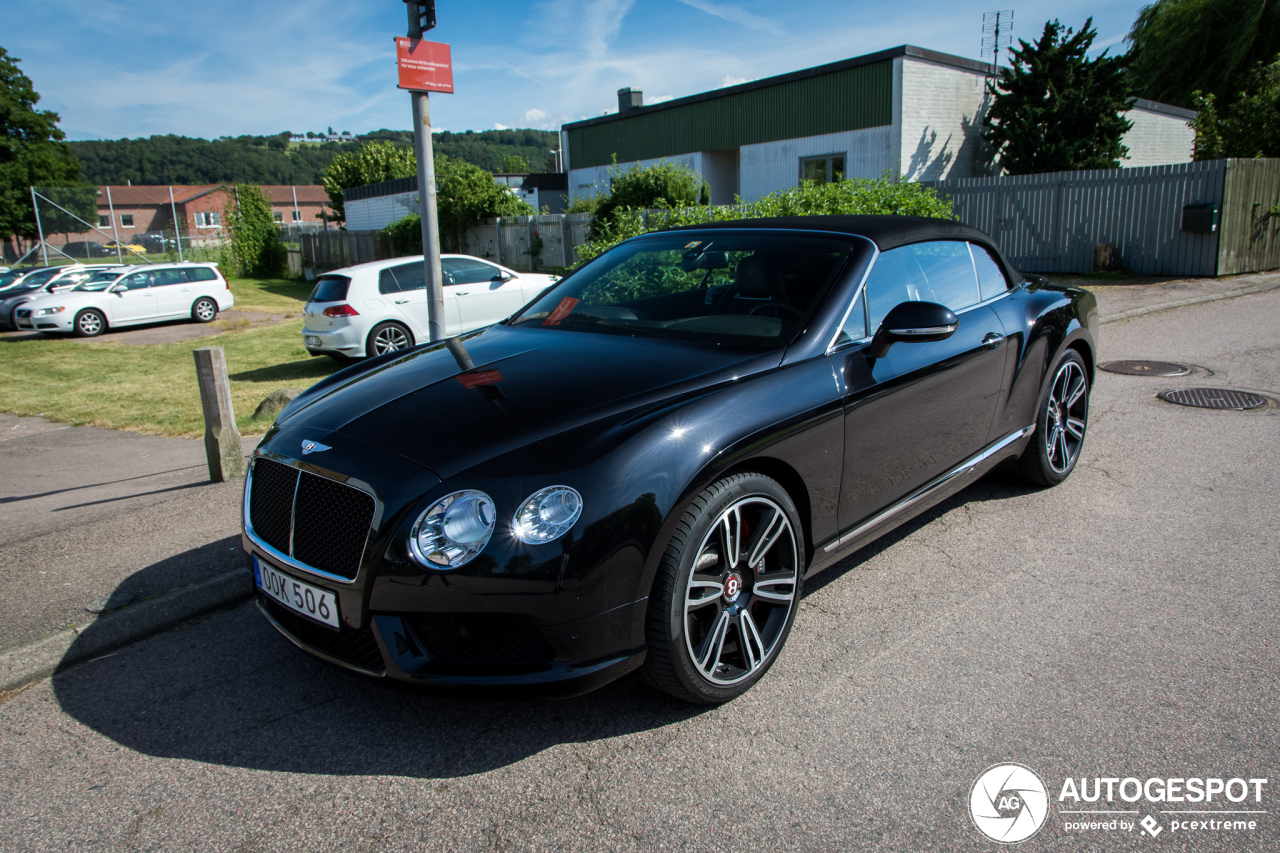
column 152, row 388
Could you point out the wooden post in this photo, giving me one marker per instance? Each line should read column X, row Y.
column 221, row 438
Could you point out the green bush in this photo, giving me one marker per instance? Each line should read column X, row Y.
column 663, row 185
column 886, row 195
column 256, row 249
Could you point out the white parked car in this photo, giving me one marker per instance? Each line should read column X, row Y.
column 128, row 297
column 380, row 307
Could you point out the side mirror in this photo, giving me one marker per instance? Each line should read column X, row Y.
column 118, row 288
column 502, row 276
column 913, row 321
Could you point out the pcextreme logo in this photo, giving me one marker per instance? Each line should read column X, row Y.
column 1009, row 803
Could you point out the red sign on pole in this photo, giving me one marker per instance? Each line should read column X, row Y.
column 425, row 66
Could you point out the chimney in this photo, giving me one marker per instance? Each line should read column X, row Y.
column 629, row 99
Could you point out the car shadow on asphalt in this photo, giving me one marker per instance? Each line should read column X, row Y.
column 228, row 689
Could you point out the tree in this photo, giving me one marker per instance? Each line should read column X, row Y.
column 514, row 164
column 1250, row 127
column 663, row 184
column 466, row 195
column 369, row 164
column 255, row 240
column 32, row 150
column 1057, row 110
column 1213, row 46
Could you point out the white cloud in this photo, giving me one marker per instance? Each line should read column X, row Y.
column 735, row 14
column 534, row 116
column 730, row 80
column 499, row 126
column 657, row 99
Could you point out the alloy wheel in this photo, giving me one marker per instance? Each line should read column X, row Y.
column 741, row 591
column 1068, row 410
column 390, row 339
column 205, row 310
column 89, row 323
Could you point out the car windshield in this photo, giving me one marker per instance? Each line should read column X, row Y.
column 8, row 278
column 38, row 279
column 98, row 281
column 746, row 288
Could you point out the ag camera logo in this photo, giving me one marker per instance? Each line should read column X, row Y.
column 1008, row 803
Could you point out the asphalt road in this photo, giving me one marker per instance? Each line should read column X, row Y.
column 1121, row 625
column 88, row 513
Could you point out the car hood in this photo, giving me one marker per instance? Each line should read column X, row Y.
column 527, row 385
column 66, row 298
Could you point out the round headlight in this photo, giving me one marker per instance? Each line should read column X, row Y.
column 547, row 514
column 453, row 530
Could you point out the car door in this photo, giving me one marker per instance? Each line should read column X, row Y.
column 925, row 407
column 132, row 300
column 405, row 287
column 483, row 292
column 173, row 293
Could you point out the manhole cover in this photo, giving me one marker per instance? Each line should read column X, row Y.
column 1133, row 367
column 1214, row 398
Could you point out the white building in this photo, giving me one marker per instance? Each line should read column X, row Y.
column 906, row 110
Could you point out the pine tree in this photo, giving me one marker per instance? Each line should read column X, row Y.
column 1057, row 110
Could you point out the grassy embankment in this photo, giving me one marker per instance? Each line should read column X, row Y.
column 152, row 388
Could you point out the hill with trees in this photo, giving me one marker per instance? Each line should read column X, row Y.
column 171, row 159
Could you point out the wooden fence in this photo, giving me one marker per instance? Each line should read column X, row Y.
column 1043, row 223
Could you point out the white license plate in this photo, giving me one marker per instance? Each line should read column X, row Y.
column 310, row 601
column 313, row 341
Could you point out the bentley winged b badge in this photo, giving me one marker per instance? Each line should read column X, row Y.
column 313, row 447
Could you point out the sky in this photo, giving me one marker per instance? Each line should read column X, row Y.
column 117, row 69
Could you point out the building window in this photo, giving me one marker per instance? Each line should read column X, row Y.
column 126, row 220
column 822, row 170
column 297, row 215
column 104, row 220
column 208, row 219
column 277, row 216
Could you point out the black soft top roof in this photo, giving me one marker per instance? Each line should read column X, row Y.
column 887, row 232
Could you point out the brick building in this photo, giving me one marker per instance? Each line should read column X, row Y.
column 131, row 211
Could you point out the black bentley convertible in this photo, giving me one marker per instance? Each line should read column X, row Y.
column 641, row 467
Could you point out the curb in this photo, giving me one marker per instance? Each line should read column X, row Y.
column 1193, row 300
column 24, row 664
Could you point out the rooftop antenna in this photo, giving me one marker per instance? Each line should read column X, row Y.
column 997, row 33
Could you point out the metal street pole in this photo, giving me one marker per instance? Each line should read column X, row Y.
column 422, row 149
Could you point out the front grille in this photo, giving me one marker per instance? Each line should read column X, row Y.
column 319, row 522
column 356, row 647
column 491, row 641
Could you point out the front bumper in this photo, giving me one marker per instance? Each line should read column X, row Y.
column 60, row 322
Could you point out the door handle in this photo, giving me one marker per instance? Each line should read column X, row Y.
column 401, row 301
column 992, row 340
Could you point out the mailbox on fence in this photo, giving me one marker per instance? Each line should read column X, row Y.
column 1202, row 218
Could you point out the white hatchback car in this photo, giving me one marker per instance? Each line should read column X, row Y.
column 138, row 294
column 375, row 308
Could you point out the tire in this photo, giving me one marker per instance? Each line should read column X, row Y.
column 1061, row 424
column 713, row 632
column 90, row 323
column 204, row 310
column 387, row 337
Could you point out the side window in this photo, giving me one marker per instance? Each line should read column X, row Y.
column 387, row 282
column 855, row 327
column 991, row 280
column 137, row 281
column 895, row 278
column 410, row 276
column 200, row 274
column 949, row 276
column 169, row 276
column 462, row 271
